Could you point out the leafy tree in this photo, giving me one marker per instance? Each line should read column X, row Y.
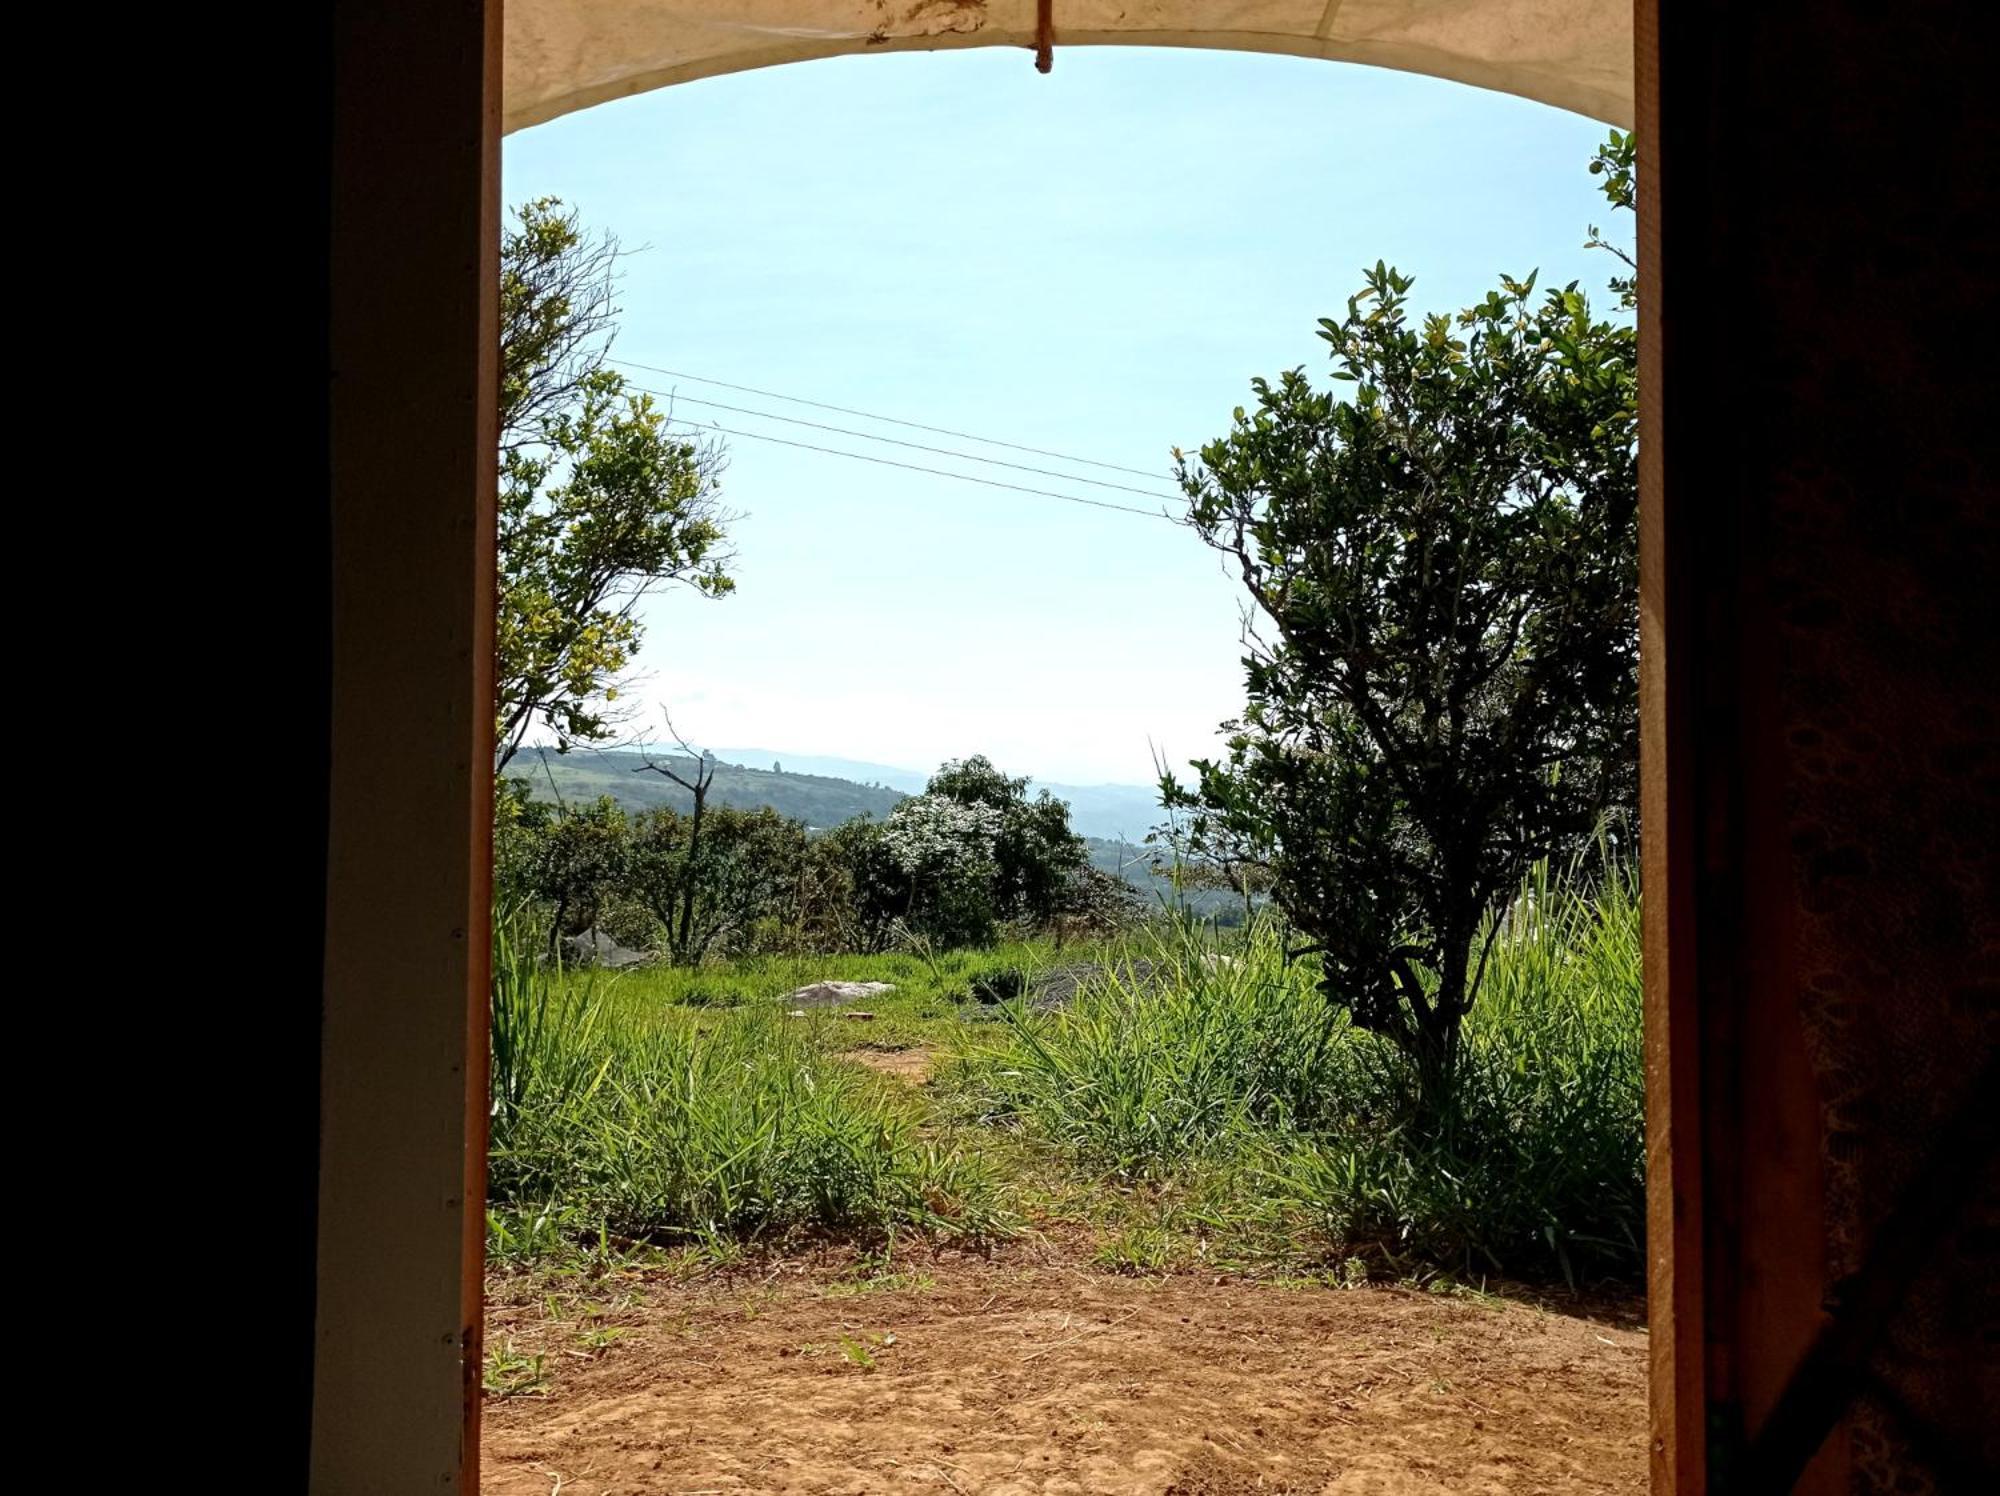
column 1215, row 855
column 518, row 819
column 1036, row 857
column 1617, row 162
column 1445, row 565
column 932, row 870
column 711, row 876
column 713, row 893
column 969, row 853
column 601, row 503
column 825, row 909
column 696, row 775
column 558, row 313
column 573, row 860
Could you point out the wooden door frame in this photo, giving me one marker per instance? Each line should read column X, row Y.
column 413, row 410
column 416, row 207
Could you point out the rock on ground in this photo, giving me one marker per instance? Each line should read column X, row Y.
column 1058, row 987
column 595, row 948
column 827, row 994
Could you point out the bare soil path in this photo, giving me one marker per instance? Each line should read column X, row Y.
column 1034, row 1373
column 911, row 1066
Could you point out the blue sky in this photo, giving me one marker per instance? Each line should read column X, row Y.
column 1096, row 262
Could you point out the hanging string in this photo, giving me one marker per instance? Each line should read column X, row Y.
column 1045, row 35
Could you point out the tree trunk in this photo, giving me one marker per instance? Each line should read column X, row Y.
column 1437, row 1032
column 1435, row 1051
column 556, row 924
column 684, row 939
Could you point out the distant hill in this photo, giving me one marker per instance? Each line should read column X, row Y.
column 1116, row 812
column 910, row 781
column 1134, row 863
column 817, row 799
column 1112, row 811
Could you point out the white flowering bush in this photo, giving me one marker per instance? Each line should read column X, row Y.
column 935, row 869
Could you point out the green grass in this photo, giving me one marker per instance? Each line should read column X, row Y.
column 624, row 1121
column 1137, row 1080
column 926, row 1007
column 1234, row 1099
column 511, row 1373
column 1538, row 1166
column 1220, row 1114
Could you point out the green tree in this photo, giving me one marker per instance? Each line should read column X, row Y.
column 1094, row 903
column 711, row 876
column 932, row 872
column 602, row 502
column 1441, row 667
column 969, row 853
column 558, row 313
column 573, row 861
column 1036, row 857
column 1617, row 162
column 827, row 909
column 713, row 893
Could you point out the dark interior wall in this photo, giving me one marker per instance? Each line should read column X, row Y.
column 1825, row 189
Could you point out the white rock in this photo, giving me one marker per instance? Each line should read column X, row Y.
column 824, row 994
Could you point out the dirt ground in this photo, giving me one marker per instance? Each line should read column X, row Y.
column 912, row 1066
column 1035, row 1373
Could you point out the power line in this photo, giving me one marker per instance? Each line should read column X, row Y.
column 869, row 415
column 869, row 436
column 1068, row 498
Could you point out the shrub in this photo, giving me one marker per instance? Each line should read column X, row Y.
column 1534, row 1166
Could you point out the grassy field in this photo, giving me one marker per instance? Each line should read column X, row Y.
column 1197, row 1104
column 927, row 1007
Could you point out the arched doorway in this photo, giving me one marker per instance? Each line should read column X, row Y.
column 1762, row 846
column 561, row 56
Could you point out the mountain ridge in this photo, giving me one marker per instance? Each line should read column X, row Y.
column 1110, row 812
